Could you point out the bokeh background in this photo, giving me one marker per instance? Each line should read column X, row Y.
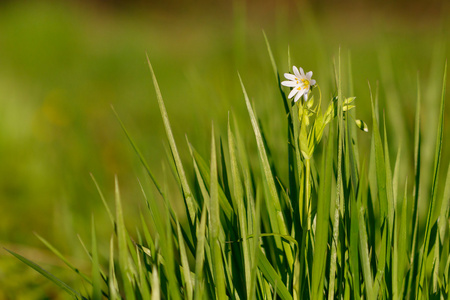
column 63, row 64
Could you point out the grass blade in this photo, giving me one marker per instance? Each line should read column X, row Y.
column 273, row 277
column 437, row 159
column 215, row 227
column 200, row 256
column 124, row 259
column 48, row 275
column 59, row 254
column 188, row 197
column 278, row 224
column 322, row 221
column 185, row 264
column 238, row 194
column 96, row 276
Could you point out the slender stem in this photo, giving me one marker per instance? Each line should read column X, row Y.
column 308, row 191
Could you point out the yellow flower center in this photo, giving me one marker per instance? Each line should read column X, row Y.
column 305, row 83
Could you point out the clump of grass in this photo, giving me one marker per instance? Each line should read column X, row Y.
column 338, row 227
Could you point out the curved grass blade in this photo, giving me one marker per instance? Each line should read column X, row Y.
column 185, row 265
column 96, row 276
column 200, row 256
column 59, row 254
column 112, row 280
column 48, row 275
column 108, row 210
column 188, row 196
column 238, row 195
column 124, row 259
column 322, row 220
column 138, row 152
column 215, row 226
column 277, row 220
column 437, row 160
column 272, row 277
column 339, row 207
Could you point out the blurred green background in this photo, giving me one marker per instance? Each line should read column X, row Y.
column 63, row 64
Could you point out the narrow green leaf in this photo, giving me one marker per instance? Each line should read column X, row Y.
column 138, row 152
column 389, row 191
column 169, row 259
column 279, row 222
column 445, row 207
column 322, row 221
column 96, row 277
column 205, row 173
column 215, row 226
column 190, row 202
column 124, row 259
column 437, row 160
column 200, row 256
column 59, row 254
column 47, row 275
column 395, row 178
column 411, row 289
column 402, row 244
column 156, row 287
column 110, row 215
column 273, row 277
column 364, row 255
column 112, row 280
column 185, row 264
column 143, row 287
column 339, row 206
column 238, row 195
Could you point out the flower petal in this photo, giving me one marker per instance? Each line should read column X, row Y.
column 305, row 96
column 297, row 74
column 312, row 82
column 309, row 74
column 292, row 93
column 289, row 76
column 302, row 72
column 300, row 93
column 289, row 83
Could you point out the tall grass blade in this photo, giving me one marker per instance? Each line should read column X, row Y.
column 445, row 207
column 437, row 160
column 169, row 258
column 273, row 277
column 139, row 154
column 108, row 210
column 411, row 287
column 322, row 220
column 188, row 197
column 59, row 254
column 156, row 290
column 112, row 280
column 200, row 256
column 96, row 276
column 278, row 224
column 48, row 275
column 339, row 205
column 364, row 254
column 238, row 195
column 124, row 259
column 215, row 227
column 185, row 265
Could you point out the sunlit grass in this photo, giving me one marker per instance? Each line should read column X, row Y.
column 57, row 125
column 335, row 226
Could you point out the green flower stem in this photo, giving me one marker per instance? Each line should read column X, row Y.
column 308, row 192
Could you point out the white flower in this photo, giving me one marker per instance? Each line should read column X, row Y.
column 299, row 82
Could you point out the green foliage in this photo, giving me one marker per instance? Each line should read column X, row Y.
column 336, row 229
